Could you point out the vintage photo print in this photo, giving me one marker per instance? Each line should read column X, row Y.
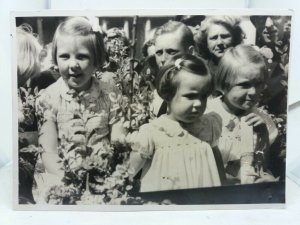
column 149, row 110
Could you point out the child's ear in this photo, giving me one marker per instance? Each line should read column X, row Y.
column 191, row 50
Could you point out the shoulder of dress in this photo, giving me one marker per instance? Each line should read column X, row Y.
column 51, row 94
column 170, row 127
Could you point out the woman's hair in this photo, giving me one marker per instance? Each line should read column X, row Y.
column 28, row 52
column 232, row 63
column 169, row 82
column 231, row 23
column 175, row 26
column 80, row 26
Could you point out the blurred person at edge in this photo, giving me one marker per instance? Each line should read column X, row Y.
column 28, row 65
column 273, row 33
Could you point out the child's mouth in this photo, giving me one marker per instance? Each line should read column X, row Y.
column 75, row 76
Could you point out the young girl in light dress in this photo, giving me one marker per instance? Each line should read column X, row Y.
column 247, row 131
column 169, row 149
column 76, row 108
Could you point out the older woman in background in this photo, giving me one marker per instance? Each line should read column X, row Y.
column 216, row 35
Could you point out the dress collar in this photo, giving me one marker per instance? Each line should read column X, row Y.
column 168, row 126
column 70, row 94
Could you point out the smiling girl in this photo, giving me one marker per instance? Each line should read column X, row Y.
column 77, row 107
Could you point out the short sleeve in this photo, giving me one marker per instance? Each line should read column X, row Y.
column 143, row 142
column 210, row 128
column 45, row 107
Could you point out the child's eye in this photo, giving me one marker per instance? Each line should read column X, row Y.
column 191, row 96
column 245, row 85
column 64, row 56
column 83, row 56
column 225, row 36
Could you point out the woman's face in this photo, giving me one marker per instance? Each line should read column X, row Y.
column 218, row 40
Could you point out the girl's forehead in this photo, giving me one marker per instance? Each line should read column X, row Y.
column 73, row 38
column 74, row 42
column 249, row 72
column 191, row 80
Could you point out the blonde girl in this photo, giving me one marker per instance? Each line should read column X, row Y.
column 76, row 108
column 247, row 132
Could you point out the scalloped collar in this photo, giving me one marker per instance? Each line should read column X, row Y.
column 174, row 128
column 168, row 126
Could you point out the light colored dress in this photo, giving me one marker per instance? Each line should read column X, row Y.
column 236, row 138
column 175, row 159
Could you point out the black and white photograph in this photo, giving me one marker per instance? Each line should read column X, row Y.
column 150, row 109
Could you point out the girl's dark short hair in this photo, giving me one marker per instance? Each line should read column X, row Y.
column 168, row 82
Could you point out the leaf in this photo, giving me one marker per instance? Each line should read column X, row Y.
column 23, row 90
column 36, row 91
column 81, row 93
column 99, row 179
column 86, row 95
column 113, row 97
column 115, row 108
column 126, row 124
column 92, row 105
column 113, row 120
column 129, row 187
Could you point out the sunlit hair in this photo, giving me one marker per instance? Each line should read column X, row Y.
column 231, row 23
column 180, row 29
column 233, row 62
column 169, row 82
column 80, row 26
column 28, row 51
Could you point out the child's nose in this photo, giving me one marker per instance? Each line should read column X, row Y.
column 197, row 103
column 252, row 91
column 73, row 66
